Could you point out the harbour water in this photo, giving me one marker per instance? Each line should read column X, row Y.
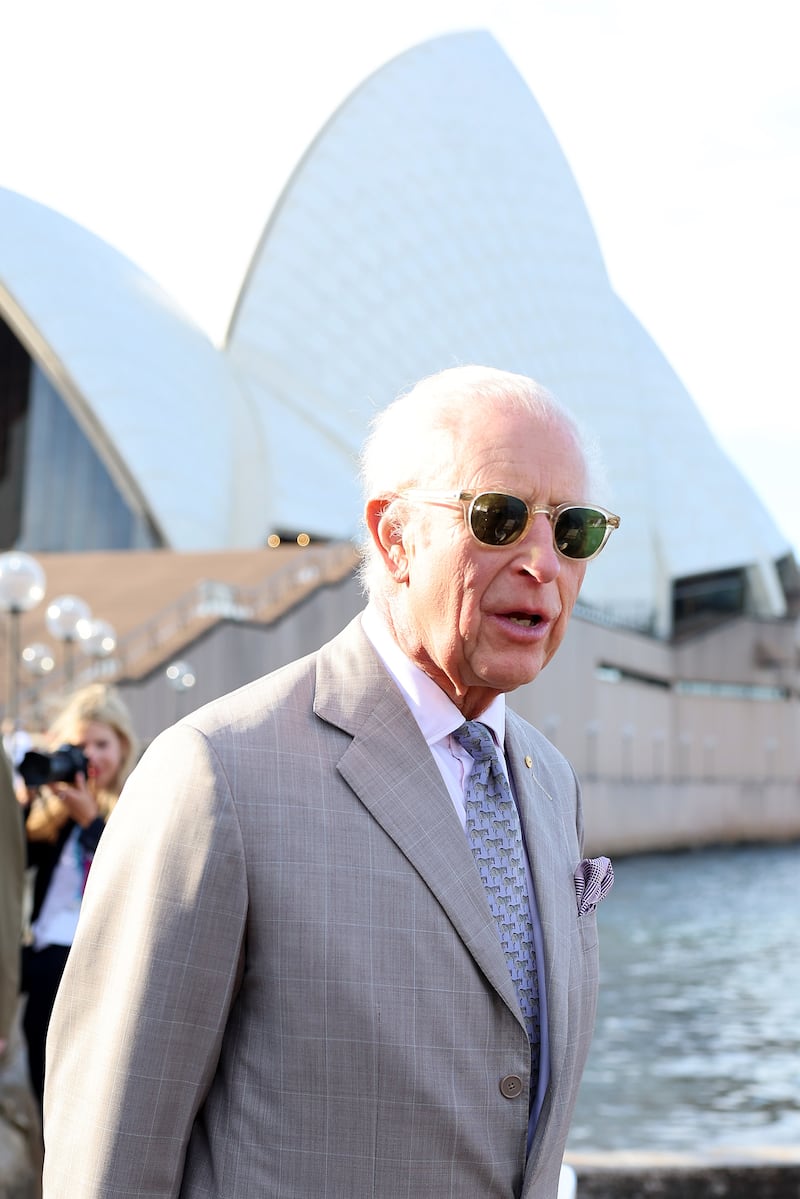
column 697, row 1042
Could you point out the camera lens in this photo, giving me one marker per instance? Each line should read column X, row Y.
column 61, row 766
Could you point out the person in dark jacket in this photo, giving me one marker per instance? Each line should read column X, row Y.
column 64, row 824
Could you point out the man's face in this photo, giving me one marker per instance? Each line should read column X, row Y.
column 482, row 620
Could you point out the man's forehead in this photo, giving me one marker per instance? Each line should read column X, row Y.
column 520, row 441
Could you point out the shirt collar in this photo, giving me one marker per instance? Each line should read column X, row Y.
column 436, row 714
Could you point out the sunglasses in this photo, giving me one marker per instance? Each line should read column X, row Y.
column 495, row 519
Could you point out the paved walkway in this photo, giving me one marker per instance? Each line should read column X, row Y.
column 20, row 1137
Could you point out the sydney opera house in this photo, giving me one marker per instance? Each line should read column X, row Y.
column 433, row 221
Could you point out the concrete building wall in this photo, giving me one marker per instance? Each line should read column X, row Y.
column 660, row 769
column 619, row 706
column 233, row 653
column 645, row 817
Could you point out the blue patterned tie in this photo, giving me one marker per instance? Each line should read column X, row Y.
column 494, row 833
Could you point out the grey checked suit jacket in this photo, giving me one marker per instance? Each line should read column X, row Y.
column 286, row 980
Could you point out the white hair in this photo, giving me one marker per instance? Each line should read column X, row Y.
column 411, row 442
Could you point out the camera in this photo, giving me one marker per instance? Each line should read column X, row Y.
column 61, row 766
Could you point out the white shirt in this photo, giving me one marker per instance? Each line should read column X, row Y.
column 438, row 717
column 58, row 915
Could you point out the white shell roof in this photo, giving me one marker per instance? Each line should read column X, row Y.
column 163, row 407
column 433, row 221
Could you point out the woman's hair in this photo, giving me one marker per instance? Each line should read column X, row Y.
column 96, row 704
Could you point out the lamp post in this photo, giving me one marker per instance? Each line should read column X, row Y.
column 67, row 618
column 38, row 661
column 659, row 744
column 22, row 585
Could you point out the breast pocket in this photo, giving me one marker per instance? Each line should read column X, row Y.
column 587, row 930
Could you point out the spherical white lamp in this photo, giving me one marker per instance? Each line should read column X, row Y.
column 67, row 618
column 98, row 638
column 22, row 586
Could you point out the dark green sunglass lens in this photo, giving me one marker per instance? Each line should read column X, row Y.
column 579, row 532
column 498, row 519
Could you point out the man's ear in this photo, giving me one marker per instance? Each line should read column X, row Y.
column 387, row 534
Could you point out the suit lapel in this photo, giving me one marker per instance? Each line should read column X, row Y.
column 391, row 769
column 542, row 822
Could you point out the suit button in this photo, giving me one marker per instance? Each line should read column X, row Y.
column 511, row 1086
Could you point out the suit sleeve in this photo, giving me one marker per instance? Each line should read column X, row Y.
column 139, row 1019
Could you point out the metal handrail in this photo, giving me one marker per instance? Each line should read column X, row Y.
column 208, row 601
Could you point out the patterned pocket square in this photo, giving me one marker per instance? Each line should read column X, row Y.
column 593, row 881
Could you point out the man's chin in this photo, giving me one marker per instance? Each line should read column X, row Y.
column 512, row 675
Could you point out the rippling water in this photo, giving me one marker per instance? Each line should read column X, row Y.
column 697, row 1043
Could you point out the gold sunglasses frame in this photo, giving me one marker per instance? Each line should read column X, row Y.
column 467, row 500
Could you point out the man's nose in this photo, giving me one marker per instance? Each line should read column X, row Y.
column 538, row 549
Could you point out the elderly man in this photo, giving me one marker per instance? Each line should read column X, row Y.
column 324, row 951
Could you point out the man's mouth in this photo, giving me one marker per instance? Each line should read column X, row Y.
column 524, row 619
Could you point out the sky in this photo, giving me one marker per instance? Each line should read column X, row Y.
column 167, row 127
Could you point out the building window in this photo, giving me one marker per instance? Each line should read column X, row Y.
column 70, row 501
column 15, row 366
column 703, row 599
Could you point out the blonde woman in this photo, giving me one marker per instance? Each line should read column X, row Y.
column 63, row 827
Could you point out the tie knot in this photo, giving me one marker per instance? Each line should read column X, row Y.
column 476, row 739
